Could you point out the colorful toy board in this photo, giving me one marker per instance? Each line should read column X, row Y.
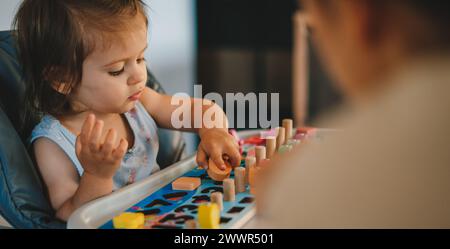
column 168, row 208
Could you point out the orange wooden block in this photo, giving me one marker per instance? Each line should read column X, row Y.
column 186, row 183
column 217, row 174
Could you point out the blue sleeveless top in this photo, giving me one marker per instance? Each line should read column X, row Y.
column 139, row 161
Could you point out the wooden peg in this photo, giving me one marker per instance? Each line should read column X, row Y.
column 287, row 125
column 229, row 193
column 252, row 175
column 217, row 197
column 280, row 137
column 252, row 178
column 271, row 145
column 260, row 153
column 249, row 162
column 239, row 179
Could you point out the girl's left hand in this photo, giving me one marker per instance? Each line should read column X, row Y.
column 218, row 145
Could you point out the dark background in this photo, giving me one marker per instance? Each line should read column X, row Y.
column 246, row 46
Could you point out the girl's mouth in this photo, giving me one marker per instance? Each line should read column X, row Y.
column 135, row 96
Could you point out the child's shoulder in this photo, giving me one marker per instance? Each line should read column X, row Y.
column 48, row 127
column 47, row 123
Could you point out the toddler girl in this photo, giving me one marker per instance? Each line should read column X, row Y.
column 84, row 67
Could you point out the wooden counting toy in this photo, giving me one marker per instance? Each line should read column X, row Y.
column 211, row 198
column 217, row 197
column 178, row 209
column 260, row 153
column 229, row 193
column 239, row 179
column 209, row 216
column 129, row 220
column 249, row 162
column 217, row 174
column 186, row 183
column 252, row 178
column 280, row 137
column 287, row 125
column 271, row 144
column 252, row 175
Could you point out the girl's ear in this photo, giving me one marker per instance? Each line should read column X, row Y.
column 62, row 87
column 52, row 74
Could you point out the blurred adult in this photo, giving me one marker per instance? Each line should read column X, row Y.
column 389, row 166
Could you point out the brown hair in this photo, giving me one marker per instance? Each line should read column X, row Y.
column 54, row 37
column 433, row 14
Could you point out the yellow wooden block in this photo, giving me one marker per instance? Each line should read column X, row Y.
column 129, row 220
column 209, row 215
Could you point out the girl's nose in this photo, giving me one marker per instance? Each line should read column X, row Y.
column 137, row 75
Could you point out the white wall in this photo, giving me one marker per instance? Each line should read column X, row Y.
column 172, row 47
column 7, row 11
column 171, row 55
column 172, row 51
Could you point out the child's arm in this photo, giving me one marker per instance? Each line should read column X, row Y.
column 215, row 143
column 68, row 191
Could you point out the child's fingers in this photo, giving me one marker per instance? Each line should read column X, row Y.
column 217, row 159
column 234, row 157
column 78, row 146
column 119, row 152
column 87, row 128
column 94, row 140
column 202, row 159
column 109, row 143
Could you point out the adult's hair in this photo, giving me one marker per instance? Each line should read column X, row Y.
column 433, row 17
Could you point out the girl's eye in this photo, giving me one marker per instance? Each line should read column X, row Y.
column 140, row 60
column 117, row 73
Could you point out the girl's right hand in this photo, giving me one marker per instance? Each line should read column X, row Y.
column 99, row 159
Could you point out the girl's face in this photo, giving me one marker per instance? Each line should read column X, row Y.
column 113, row 77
